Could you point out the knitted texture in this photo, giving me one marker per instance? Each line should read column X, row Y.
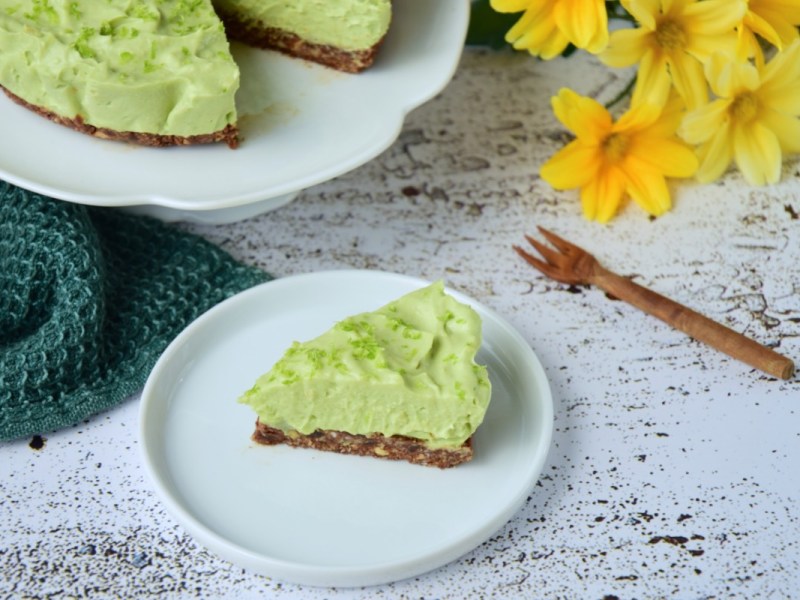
column 89, row 299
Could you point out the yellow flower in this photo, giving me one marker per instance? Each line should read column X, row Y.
column 548, row 26
column 753, row 120
column 674, row 39
column 775, row 21
column 608, row 160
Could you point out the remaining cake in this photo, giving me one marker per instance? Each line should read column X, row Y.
column 344, row 35
column 155, row 73
column 399, row 383
column 160, row 72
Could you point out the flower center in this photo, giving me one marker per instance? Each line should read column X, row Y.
column 744, row 107
column 670, row 35
column 615, row 146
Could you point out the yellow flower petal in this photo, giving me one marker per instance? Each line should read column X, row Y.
column 585, row 117
column 747, row 45
column 759, row 25
column 583, row 22
column 689, row 80
column 789, row 10
column 715, row 156
column 553, row 46
column 703, row 47
column 782, row 15
column 644, row 11
column 786, row 128
column 652, row 81
column 785, row 100
column 601, row 197
column 783, row 71
column 669, row 157
column 647, row 187
column 674, row 6
column 528, row 19
column 713, row 17
column 700, row 125
column 670, row 119
column 571, row 167
column 509, row 6
column 626, row 47
column 599, row 41
column 537, row 32
column 710, row 26
column 757, row 154
column 728, row 78
column 637, row 118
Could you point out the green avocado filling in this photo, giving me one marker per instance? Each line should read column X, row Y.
column 161, row 67
column 407, row 368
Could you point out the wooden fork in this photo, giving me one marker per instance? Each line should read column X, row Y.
column 570, row 264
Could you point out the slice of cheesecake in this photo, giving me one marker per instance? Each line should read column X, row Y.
column 399, row 383
column 342, row 34
column 154, row 72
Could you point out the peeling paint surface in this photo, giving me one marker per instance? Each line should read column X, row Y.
column 673, row 470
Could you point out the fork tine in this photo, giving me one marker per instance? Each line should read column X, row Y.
column 559, row 242
column 540, row 265
column 550, row 255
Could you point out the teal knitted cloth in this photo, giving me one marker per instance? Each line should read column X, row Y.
column 89, row 298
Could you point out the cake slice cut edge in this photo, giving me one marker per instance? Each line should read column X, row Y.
column 291, row 44
column 344, row 35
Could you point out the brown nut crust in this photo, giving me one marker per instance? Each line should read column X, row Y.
column 394, row 447
column 260, row 36
column 229, row 135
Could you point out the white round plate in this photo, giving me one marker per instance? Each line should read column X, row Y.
column 319, row 518
column 301, row 123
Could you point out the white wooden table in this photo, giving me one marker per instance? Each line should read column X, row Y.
column 674, row 471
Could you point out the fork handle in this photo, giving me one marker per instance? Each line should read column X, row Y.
column 694, row 324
